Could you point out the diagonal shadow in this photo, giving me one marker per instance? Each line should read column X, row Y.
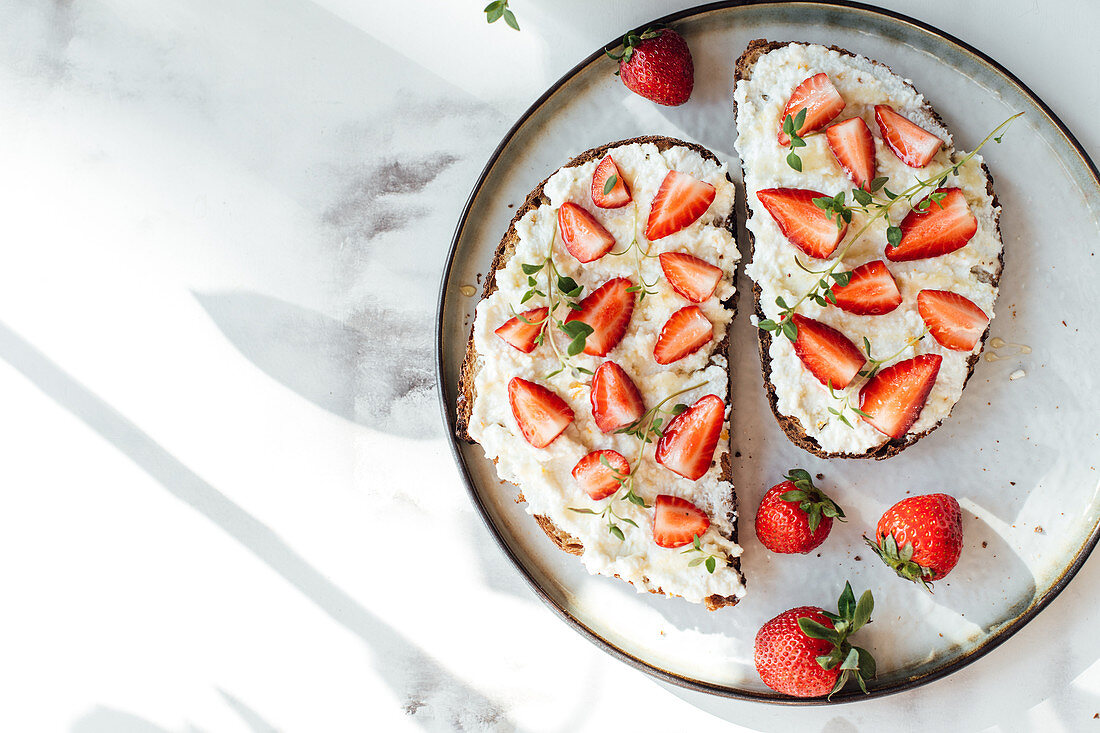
column 432, row 696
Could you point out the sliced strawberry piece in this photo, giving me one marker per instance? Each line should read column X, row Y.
column 954, row 321
column 893, row 398
column 618, row 194
column 522, row 330
column 854, row 149
column 616, row 401
column 940, row 229
column 680, row 200
column 601, row 478
column 802, row 223
column 677, row 522
column 686, row 331
column 913, row 145
column 691, row 277
column 687, row 445
column 871, row 291
column 826, row 352
column 584, row 237
column 820, row 99
column 541, row 414
column 607, row 310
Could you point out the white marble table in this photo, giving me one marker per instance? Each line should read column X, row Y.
column 227, row 500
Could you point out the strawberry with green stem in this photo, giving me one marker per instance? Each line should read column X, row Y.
column 795, row 516
column 920, row 537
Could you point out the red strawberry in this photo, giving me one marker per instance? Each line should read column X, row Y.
column 913, row 145
column 800, row 652
column 941, row 228
column 954, row 321
column 541, row 414
column 617, row 194
column 795, row 516
column 616, row 401
column 821, row 101
column 687, row 445
column 802, row 223
column 677, row 522
column 691, row 277
column 600, row 473
column 920, row 537
column 871, row 291
column 657, row 65
column 686, row 331
column 607, row 310
column 893, row 398
column 826, row 352
column 584, row 237
column 680, row 200
column 522, row 330
column 854, row 148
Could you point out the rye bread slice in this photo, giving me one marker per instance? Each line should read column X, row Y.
column 791, row 425
column 471, row 363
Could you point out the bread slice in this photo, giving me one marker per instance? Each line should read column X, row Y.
column 765, row 98
column 582, row 437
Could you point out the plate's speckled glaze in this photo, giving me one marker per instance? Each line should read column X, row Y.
column 1021, row 456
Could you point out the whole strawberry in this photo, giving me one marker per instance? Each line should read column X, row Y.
column 657, row 65
column 920, row 537
column 805, row 652
column 795, row 516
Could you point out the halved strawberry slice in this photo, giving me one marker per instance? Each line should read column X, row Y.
column 871, row 291
column 687, row 445
column 541, row 414
column 802, row 223
column 522, row 330
column 854, row 149
column 940, row 229
column 617, row 194
column 913, row 145
column 685, row 332
column 584, row 237
column 616, row 401
column 821, row 100
column 894, row 397
column 680, row 200
column 600, row 480
column 677, row 522
column 954, row 321
column 607, row 310
column 826, row 352
column 691, row 277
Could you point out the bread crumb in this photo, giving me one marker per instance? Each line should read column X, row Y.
column 985, row 544
column 1038, row 529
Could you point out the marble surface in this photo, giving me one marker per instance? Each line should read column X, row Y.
column 228, row 504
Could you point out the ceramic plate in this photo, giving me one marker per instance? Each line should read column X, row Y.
column 1020, row 454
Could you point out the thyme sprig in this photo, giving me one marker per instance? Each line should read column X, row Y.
column 498, row 9
column 709, row 561
column 643, row 288
column 791, row 126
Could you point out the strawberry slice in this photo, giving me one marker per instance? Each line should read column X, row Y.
column 894, row 397
column 954, row 321
column 607, row 310
column 584, row 237
column 826, row 352
column 687, row 445
column 854, row 149
column 821, row 101
column 677, row 522
column 522, row 330
column 541, row 414
column 802, row 223
column 599, row 479
column 617, row 194
column 871, row 291
column 680, row 200
column 616, row 401
column 913, row 145
column 691, row 277
column 940, row 229
column 686, row 331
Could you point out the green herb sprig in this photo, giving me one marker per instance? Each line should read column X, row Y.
column 707, row 560
column 791, row 126
column 498, row 9
column 640, row 256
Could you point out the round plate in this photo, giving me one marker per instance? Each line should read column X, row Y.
column 1020, row 453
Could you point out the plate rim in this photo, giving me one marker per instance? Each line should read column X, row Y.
column 447, row 401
